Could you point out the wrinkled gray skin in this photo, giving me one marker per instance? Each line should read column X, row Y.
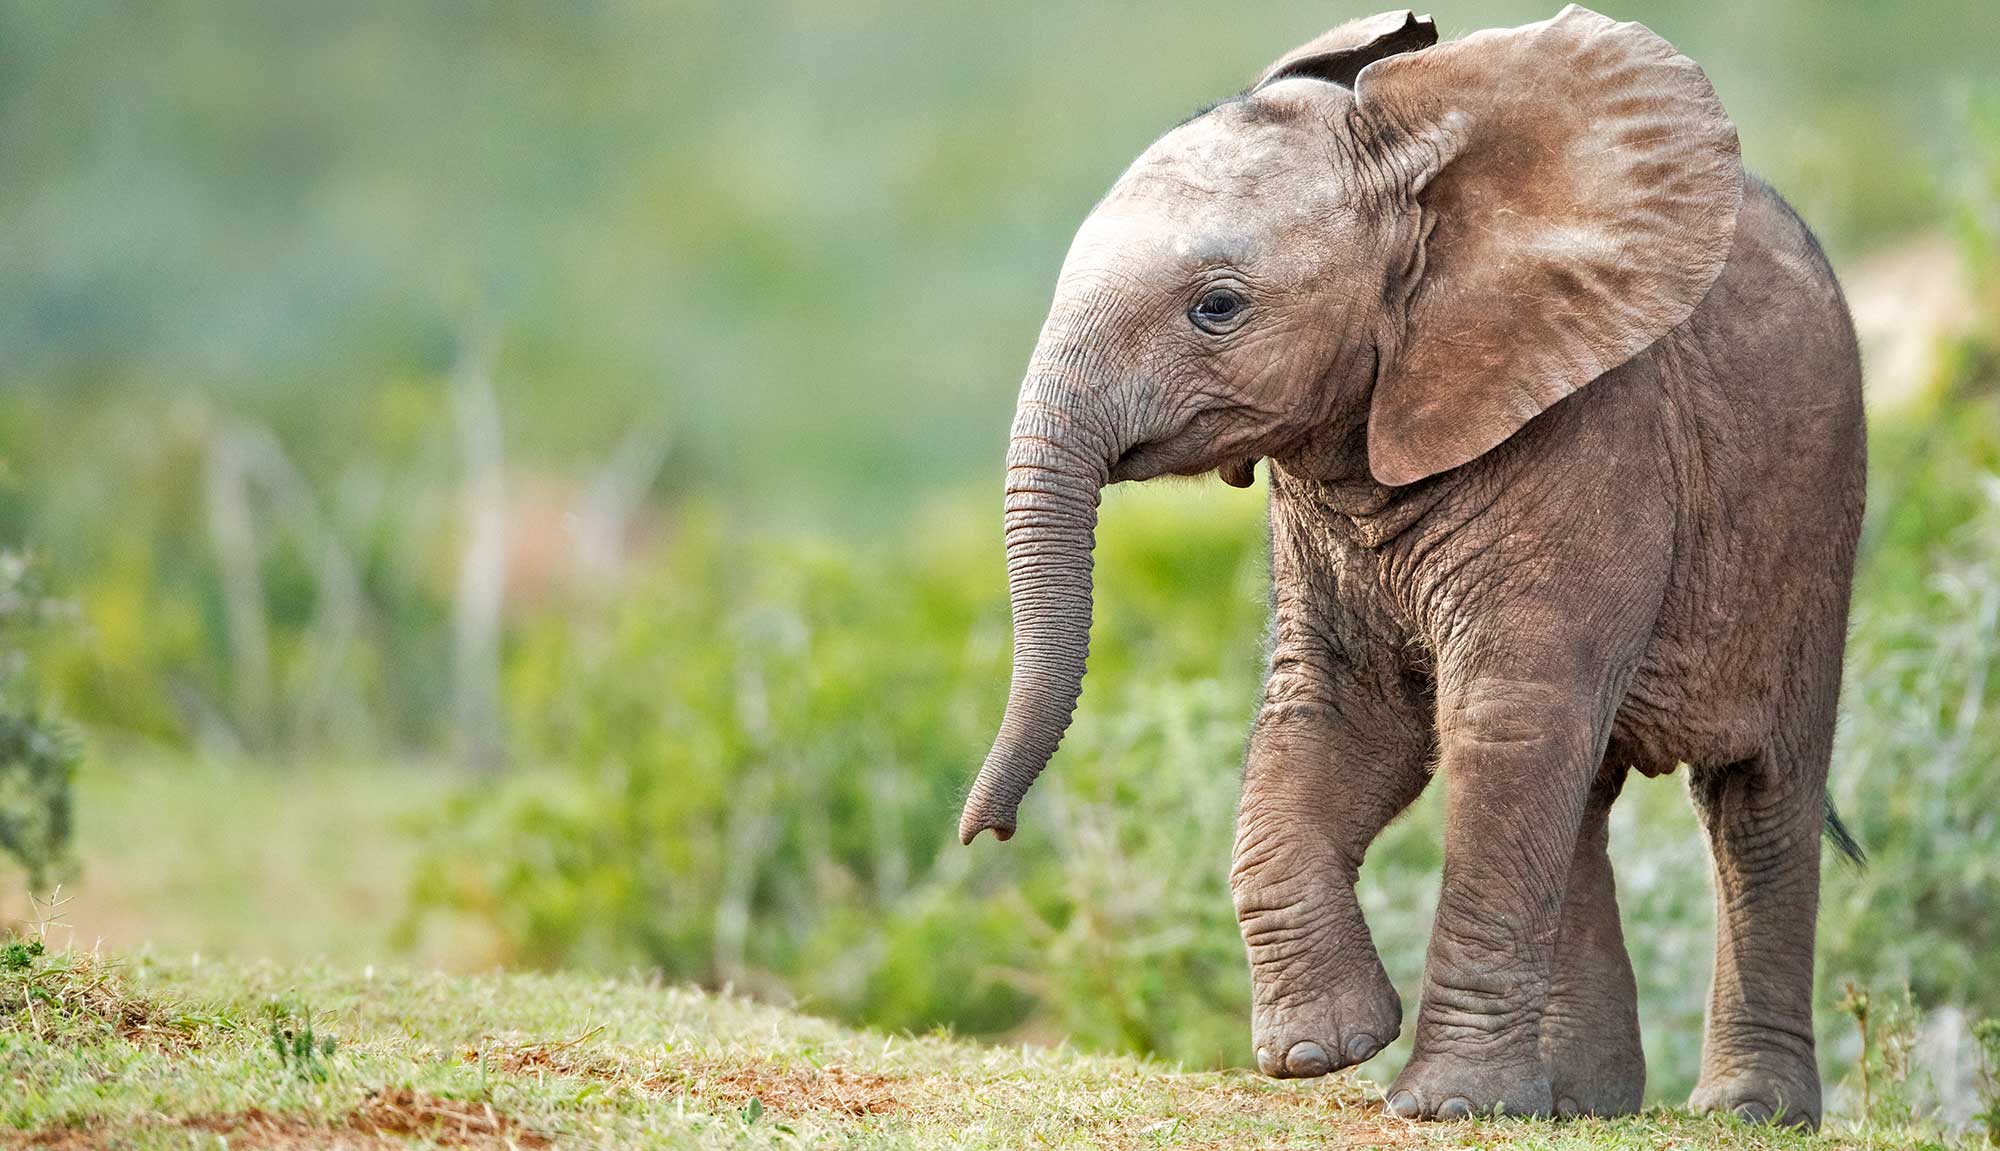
column 1422, row 250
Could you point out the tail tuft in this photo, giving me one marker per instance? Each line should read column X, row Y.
column 1843, row 840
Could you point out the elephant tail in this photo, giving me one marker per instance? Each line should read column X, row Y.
column 1842, row 839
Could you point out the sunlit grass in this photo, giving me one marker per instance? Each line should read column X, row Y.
column 532, row 1061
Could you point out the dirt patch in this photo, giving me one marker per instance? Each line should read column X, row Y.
column 1183, row 1108
column 1195, row 1110
column 782, row 1089
column 1146, row 1110
column 793, row 1090
column 404, row 1113
column 385, row 1119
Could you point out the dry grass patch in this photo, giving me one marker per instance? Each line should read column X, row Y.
column 781, row 1088
column 389, row 1118
column 72, row 996
column 790, row 1090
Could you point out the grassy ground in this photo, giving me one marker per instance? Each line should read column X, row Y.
column 143, row 1053
column 190, row 857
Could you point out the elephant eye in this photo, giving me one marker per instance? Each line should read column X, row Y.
column 1218, row 310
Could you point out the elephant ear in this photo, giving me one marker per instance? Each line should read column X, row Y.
column 1578, row 182
column 1339, row 56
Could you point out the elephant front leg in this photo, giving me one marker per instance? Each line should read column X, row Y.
column 1316, row 791
column 1519, row 760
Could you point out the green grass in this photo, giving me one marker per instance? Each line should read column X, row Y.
column 145, row 1053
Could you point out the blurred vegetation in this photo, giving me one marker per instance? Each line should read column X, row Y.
column 728, row 303
column 781, row 258
column 38, row 752
column 752, row 774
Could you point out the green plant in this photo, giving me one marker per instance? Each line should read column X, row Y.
column 1986, row 1039
column 1854, row 1003
column 299, row 1049
column 1885, row 1066
column 21, row 955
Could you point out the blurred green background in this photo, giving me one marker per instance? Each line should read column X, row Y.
column 525, row 478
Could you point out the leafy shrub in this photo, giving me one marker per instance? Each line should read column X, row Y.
column 38, row 754
column 238, row 595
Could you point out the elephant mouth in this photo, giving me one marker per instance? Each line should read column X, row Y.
column 1144, row 461
column 1134, row 463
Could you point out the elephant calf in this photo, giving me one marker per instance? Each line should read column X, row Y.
column 1563, row 415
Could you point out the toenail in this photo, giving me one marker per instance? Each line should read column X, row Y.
column 1308, row 1059
column 1362, row 1047
column 1403, row 1105
column 1265, row 1063
column 1753, row 1112
column 1566, row 1108
column 1456, row 1107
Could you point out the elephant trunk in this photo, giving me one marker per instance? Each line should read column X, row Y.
column 1057, row 463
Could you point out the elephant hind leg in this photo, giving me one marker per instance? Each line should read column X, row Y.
column 1590, row 1029
column 1764, row 819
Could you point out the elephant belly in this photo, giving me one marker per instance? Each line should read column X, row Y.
column 1669, row 717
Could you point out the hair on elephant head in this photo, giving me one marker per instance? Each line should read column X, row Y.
column 1388, row 251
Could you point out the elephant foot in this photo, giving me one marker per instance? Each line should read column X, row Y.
column 1588, row 1080
column 1438, row 1085
column 1785, row 1096
column 1307, row 1040
column 1596, row 1065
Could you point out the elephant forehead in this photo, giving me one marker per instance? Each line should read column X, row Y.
column 1236, row 150
column 1133, row 238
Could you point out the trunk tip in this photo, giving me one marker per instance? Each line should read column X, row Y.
column 975, row 821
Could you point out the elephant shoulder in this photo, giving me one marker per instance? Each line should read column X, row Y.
column 1775, row 329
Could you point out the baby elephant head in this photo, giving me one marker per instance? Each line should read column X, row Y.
column 1384, row 241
